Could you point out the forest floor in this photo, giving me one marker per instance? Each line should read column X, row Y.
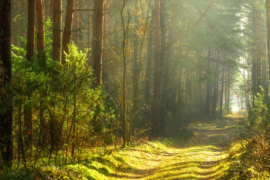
column 202, row 157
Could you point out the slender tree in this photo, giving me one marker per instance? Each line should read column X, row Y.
column 97, row 41
column 5, row 77
column 148, row 68
column 40, row 34
column 67, row 30
column 135, row 51
column 156, row 93
column 268, row 31
column 51, row 7
column 221, row 93
column 57, row 22
column 29, row 55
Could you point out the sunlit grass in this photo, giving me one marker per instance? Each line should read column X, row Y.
column 200, row 157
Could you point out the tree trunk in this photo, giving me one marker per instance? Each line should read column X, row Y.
column 23, row 19
column 57, row 22
column 254, row 59
column 258, row 51
column 228, row 104
column 16, row 24
column 221, row 94
column 6, row 146
column 51, row 7
column 268, row 34
column 135, row 53
column 40, row 48
column 215, row 93
column 80, row 32
column 40, row 34
column 97, row 41
column 208, row 92
column 163, row 66
column 67, row 30
column 148, row 69
column 30, row 30
column 123, row 49
column 156, row 93
column 89, row 26
column 105, row 52
column 75, row 36
column 29, row 56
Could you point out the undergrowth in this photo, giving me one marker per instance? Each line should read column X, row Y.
column 249, row 154
column 94, row 163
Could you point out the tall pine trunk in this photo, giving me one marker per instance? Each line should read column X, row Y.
column 89, row 26
column 163, row 66
column 6, row 146
column 16, row 23
column 148, row 70
column 156, row 93
column 221, row 94
column 268, row 35
column 97, row 41
column 228, row 103
column 29, row 55
column 135, row 53
column 40, row 34
column 81, row 25
column 57, row 22
column 67, row 30
column 208, row 91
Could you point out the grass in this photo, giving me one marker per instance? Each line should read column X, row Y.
column 203, row 156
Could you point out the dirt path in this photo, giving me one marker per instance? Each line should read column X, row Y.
column 201, row 159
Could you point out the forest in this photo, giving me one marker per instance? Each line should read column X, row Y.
column 134, row 89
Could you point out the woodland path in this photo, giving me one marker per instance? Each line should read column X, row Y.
column 201, row 158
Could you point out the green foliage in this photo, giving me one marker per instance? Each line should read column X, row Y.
column 257, row 116
column 16, row 175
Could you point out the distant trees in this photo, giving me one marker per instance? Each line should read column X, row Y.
column 163, row 63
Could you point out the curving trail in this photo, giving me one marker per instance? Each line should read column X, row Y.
column 201, row 158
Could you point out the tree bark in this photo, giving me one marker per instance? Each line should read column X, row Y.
column 76, row 25
column 135, row 53
column 29, row 55
column 221, row 94
column 51, row 7
column 254, row 59
column 30, row 30
column 228, row 103
column 40, row 34
column 163, row 66
column 16, row 24
column 6, row 146
column 156, row 93
column 268, row 34
column 89, row 26
column 80, row 32
column 97, row 41
column 208, row 92
column 105, row 41
column 148, row 69
column 67, row 30
column 57, row 22
column 215, row 94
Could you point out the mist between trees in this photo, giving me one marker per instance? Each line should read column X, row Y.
column 79, row 74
